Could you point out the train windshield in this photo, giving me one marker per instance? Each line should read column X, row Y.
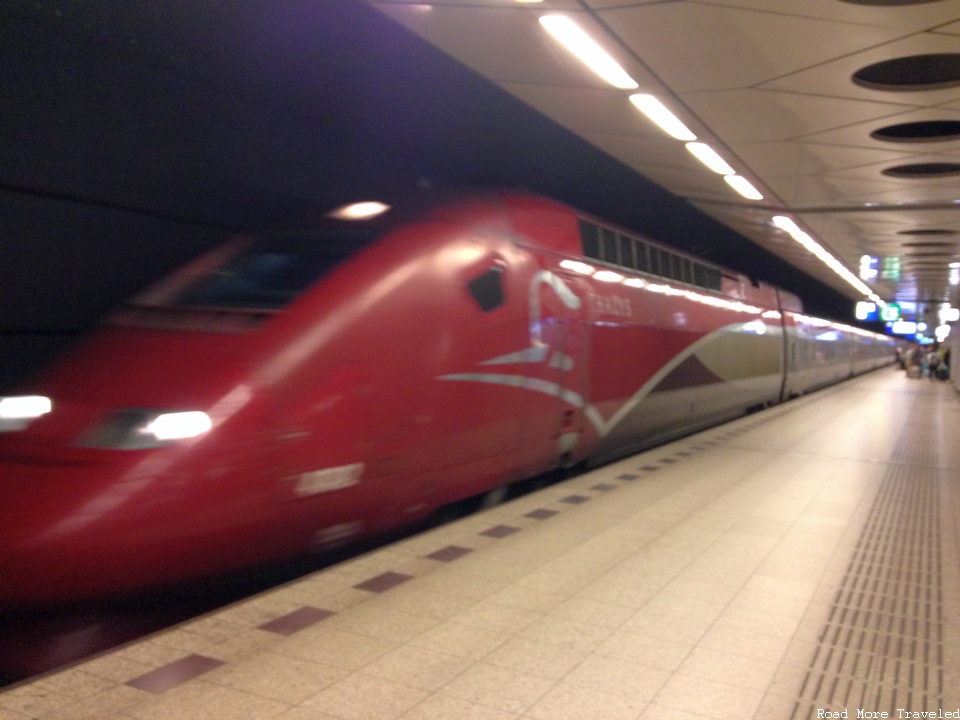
column 271, row 271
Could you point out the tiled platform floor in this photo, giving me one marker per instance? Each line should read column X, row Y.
column 799, row 559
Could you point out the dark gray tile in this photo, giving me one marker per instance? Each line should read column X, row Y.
column 383, row 582
column 296, row 620
column 500, row 531
column 449, row 553
column 607, row 487
column 176, row 673
column 541, row 514
column 575, row 499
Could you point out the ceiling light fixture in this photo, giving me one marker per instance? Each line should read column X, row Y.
column 359, row 210
column 709, row 157
column 663, row 118
column 574, row 39
column 743, row 186
column 805, row 239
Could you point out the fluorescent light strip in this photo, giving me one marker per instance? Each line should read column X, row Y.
column 663, row 118
column 805, row 239
column 574, row 39
column 743, row 186
column 709, row 157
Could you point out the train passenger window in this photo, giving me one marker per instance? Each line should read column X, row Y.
column 590, row 237
column 714, row 279
column 608, row 246
column 643, row 257
column 630, row 253
column 669, row 265
column 625, row 250
column 664, row 264
column 687, row 270
column 700, row 275
column 487, row 289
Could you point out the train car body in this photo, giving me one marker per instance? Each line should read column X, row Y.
column 293, row 391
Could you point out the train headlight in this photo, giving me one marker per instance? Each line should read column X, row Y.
column 18, row 411
column 142, row 429
column 178, row 425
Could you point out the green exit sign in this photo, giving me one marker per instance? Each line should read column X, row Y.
column 890, row 313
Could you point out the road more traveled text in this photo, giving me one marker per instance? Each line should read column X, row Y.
column 898, row 713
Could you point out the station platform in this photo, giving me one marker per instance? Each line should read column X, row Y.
column 801, row 562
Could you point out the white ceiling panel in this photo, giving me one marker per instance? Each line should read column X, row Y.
column 746, row 114
column 834, row 77
column 793, row 158
column 907, row 19
column 756, row 46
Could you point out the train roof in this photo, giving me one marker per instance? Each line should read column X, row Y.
column 539, row 222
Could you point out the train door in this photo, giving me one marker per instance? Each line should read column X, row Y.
column 322, row 439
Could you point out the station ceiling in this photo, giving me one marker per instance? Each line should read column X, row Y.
column 843, row 115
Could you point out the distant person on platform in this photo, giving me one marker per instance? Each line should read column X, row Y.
column 933, row 363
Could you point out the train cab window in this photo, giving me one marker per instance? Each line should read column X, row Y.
column 687, row 270
column 270, row 272
column 487, row 289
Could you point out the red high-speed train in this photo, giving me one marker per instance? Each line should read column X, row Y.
column 291, row 391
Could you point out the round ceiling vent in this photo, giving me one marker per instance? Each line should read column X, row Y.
column 927, row 232
column 924, row 170
column 888, row 3
column 922, row 249
column 929, row 131
column 915, row 72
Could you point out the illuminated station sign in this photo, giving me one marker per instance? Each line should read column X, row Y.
column 870, row 312
column 867, row 311
column 890, row 313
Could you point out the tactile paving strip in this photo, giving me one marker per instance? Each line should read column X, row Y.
column 882, row 647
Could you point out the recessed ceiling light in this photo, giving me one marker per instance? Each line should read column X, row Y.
column 915, row 132
column 923, row 170
column 663, row 118
column 574, row 39
column 934, row 71
column 883, row 3
column 927, row 232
